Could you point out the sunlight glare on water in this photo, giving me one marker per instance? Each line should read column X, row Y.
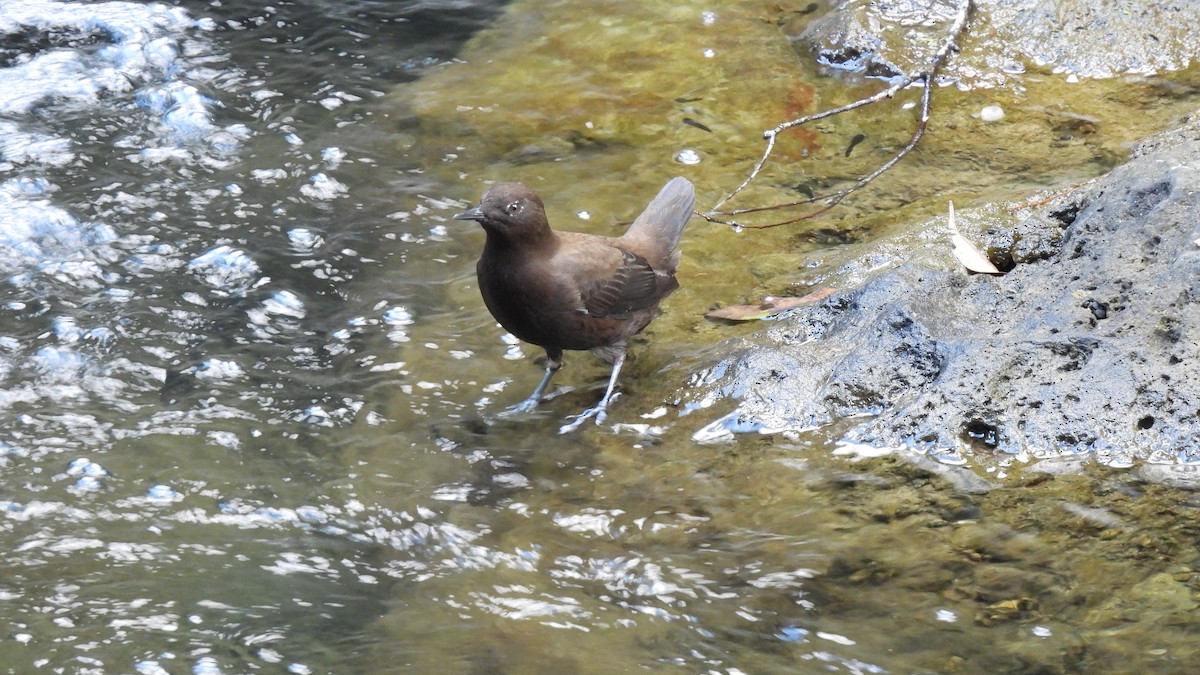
column 175, row 333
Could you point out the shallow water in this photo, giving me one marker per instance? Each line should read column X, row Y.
column 248, row 394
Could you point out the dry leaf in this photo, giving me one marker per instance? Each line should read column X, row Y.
column 769, row 308
column 967, row 253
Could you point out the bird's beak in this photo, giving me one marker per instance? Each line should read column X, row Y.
column 470, row 214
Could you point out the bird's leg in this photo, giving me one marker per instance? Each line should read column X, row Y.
column 553, row 363
column 600, row 410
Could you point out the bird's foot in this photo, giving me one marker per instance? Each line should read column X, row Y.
column 598, row 412
column 530, row 404
column 524, row 407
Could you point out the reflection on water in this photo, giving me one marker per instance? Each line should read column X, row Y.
column 245, row 385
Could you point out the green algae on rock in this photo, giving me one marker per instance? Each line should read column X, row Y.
column 615, row 73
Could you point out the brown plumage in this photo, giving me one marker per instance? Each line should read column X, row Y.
column 568, row 290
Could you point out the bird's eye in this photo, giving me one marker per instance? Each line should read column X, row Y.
column 513, row 207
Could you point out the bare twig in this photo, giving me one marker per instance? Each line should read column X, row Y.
column 833, row 199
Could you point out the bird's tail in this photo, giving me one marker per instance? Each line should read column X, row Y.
column 658, row 229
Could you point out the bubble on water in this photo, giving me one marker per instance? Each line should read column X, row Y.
column 687, row 156
column 311, row 514
column 225, row 439
column 316, row 415
column 82, row 466
column 281, row 304
column 398, row 316
column 88, row 484
column 285, row 303
column 218, row 370
column 182, row 107
column 304, row 240
column 333, row 156
column 226, row 269
column 323, row 187
column 268, row 176
column 163, row 494
column 58, row 364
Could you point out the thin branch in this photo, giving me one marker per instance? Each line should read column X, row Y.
column 770, row 136
column 836, row 198
column 874, row 98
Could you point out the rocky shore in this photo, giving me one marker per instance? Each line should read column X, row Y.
column 1086, row 345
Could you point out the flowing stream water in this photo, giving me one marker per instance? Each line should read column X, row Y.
column 247, row 397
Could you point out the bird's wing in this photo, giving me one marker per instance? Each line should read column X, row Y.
column 631, row 285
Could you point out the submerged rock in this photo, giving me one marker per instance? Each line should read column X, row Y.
column 1087, row 345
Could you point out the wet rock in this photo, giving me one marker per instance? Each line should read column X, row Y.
column 1017, row 609
column 1045, row 652
column 1184, row 476
column 961, row 478
column 1097, row 517
column 887, row 39
column 997, row 583
column 996, row 543
column 1024, row 365
column 1159, row 600
column 876, row 39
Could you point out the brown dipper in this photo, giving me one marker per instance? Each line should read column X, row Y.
column 568, row 290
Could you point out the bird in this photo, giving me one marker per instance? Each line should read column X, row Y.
column 575, row 291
